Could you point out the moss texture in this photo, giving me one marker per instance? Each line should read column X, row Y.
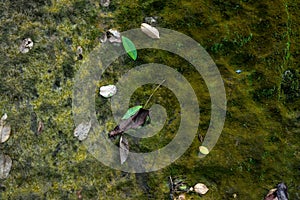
column 259, row 145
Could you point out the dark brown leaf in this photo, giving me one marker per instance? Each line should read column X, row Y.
column 133, row 122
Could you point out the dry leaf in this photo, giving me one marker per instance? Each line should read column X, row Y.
column 4, row 132
column 133, row 122
column 5, row 166
column 40, row 127
column 124, row 149
column 150, row 31
column 200, row 188
column 3, row 118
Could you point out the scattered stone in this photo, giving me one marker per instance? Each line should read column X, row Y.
column 5, row 129
column 238, row 71
column 103, row 39
column 114, row 33
column 105, row 3
column 79, row 52
column 5, row 166
column 112, row 39
column 108, row 91
column 114, row 36
column 150, row 20
column 203, row 150
column 26, row 45
column 150, row 31
column 200, row 188
column 82, row 130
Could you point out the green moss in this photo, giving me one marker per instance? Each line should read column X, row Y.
column 258, row 148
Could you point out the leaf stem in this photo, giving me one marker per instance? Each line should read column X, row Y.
column 153, row 93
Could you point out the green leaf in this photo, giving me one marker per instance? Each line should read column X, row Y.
column 129, row 47
column 131, row 111
column 183, row 187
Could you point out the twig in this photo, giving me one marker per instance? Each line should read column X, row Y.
column 153, row 93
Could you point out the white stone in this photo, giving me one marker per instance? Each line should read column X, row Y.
column 82, row 130
column 26, row 45
column 108, row 91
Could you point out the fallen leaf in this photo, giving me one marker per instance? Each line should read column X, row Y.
column 129, row 47
column 40, row 127
column 3, row 118
column 4, row 132
column 204, row 150
column 200, row 188
column 131, row 111
column 150, row 31
column 133, row 122
column 5, row 166
column 124, row 149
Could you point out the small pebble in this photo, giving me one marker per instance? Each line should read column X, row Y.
column 115, row 33
column 108, row 91
column 105, row 3
column 82, row 130
column 114, row 36
column 150, row 20
column 79, row 52
column 26, row 45
column 238, row 71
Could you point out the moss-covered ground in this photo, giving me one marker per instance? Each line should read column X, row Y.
column 260, row 143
